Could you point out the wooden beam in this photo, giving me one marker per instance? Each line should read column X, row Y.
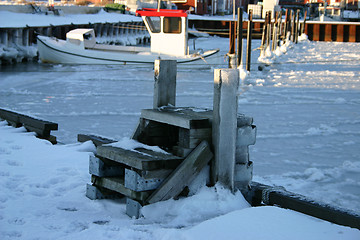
column 140, row 158
column 117, row 185
column 183, row 175
column 280, row 197
column 97, row 140
column 176, row 118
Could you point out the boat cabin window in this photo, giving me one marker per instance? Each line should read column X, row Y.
column 154, row 24
column 172, row 25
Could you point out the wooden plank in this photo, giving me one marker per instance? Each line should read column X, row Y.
column 280, row 197
column 176, row 117
column 141, row 159
column 43, row 127
column 97, row 140
column 183, row 175
column 117, row 185
column 188, row 118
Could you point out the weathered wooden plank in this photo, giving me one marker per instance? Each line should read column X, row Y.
column 175, row 118
column 141, row 159
column 28, row 121
column 93, row 193
column 280, row 197
column 97, row 140
column 188, row 118
column 183, row 175
column 117, row 185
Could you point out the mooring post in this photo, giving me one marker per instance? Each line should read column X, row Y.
column 263, row 37
column 304, row 22
column 274, row 34
column 293, row 22
column 231, row 53
column 249, row 37
column 224, row 125
column 239, row 35
column 165, row 83
column 297, row 27
column 268, row 34
column 286, row 26
column 279, row 28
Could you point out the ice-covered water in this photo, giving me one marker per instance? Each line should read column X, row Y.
column 305, row 107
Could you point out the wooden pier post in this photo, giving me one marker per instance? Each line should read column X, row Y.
column 224, row 125
column 268, row 33
column 286, row 26
column 292, row 19
column 165, row 83
column 239, row 35
column 231, row 54
column 274, row 33
column 248, row 46
column 263, row 37
column 297, row 27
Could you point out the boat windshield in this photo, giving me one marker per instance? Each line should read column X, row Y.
column 154, row 24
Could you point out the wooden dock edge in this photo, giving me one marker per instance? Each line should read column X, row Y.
column 261, row 194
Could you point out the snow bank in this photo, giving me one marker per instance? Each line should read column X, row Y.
column 43, row 197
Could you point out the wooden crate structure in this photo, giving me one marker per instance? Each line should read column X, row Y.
column 145, row 176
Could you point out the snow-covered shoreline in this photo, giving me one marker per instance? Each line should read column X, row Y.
column 43, row 197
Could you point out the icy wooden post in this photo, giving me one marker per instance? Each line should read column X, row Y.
column 293, row 22
column 286, row 26
column 239, row 35
column 303, row 24
column 165, row 83
column 249, row 37
column 297, row 27
column 224, row 125
column 231, row 54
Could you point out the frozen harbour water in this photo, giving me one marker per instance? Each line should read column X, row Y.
column 305, row 106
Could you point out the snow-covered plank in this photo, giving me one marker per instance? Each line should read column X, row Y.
column 139, row 158
column 183, row 175
column 97, row 140
column 176, row 117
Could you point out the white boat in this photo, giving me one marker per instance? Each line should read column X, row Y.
column 169, row 40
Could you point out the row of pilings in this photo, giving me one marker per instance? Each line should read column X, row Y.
column 18, row 44
column 316, row 31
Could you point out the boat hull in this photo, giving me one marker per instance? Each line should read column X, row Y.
column 53, row 50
